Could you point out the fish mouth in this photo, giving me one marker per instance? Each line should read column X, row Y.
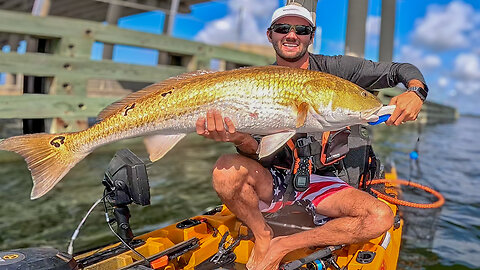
column 370, row 115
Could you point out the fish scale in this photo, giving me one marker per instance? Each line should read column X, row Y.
column 274, row 101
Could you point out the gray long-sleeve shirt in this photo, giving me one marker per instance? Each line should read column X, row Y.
column 365, row 73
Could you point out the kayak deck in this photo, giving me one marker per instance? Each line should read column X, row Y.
column 191, row 243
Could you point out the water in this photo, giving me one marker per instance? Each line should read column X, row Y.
column 449, row 163
column 180, row 188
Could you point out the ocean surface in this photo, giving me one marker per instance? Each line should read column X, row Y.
column 448, row 238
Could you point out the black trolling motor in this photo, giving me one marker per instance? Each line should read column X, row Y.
column 126, row 181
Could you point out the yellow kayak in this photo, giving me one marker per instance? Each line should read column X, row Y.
column 218, row 240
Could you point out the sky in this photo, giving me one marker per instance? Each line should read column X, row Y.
column 440, row 37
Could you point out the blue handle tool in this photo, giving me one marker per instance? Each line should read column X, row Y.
column 380, row 120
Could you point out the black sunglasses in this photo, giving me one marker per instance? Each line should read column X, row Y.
column 285, row 28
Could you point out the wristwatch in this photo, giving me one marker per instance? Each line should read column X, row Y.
column 421, row 93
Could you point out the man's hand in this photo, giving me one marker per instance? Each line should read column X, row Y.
column 408, row 106
column 213, row 127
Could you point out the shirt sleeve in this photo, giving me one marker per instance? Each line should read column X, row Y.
column 372, row 75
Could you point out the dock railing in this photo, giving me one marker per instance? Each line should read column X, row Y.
column 66, row 66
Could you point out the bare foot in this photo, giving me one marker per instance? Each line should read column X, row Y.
column 260, row 249
column 258, row 253
column 271, row 258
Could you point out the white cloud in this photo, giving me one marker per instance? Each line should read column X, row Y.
column 452, row 93
column 468, row 87
column 432, row 61
column 246, row 22
column 372, row 36
column 447, row 27
column 443, row 82
column 413, row 55
column 475, row 38
column 467, row 66
column 467, row 73
column 372, row 26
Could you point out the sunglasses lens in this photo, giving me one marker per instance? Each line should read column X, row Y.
column 299, row 29
column 303, row 30
column 281, row 28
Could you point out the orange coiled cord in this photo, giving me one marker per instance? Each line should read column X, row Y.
column 396, row 201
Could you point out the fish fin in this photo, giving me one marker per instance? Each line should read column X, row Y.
column 119, row 105
column 273, row 142
column 48, row 157
column 158, row 145
column 184, row 76
column 302, row 112
column 161, row 88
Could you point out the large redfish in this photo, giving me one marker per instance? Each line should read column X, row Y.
column 274, row 101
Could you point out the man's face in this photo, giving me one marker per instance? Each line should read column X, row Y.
column 290, row 47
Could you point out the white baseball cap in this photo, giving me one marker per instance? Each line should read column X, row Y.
column 292, row 10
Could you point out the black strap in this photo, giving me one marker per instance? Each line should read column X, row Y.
column 308, row 147
column 298, row 178
column 355, row 163
column 289, row 192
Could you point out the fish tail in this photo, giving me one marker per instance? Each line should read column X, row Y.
column 49, row 157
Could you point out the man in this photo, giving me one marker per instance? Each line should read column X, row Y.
column 246, row 186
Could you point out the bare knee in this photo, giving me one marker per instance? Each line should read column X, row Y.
column 230, row 160
column 381, row 218
column 228, row 174
column 233, row 172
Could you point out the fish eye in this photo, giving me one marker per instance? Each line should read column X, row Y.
column 364, row 94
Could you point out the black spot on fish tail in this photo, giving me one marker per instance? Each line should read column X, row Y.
column 128, row 108
column 57, row 141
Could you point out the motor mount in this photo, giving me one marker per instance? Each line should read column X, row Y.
column 126, row 181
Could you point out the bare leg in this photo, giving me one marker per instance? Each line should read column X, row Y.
column 241, row 183
column 358, row 216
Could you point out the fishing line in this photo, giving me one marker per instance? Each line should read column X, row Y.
column 77, row 231
column 107, row 218
column 414, row 159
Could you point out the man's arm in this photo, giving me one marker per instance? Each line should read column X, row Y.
column 374, row 75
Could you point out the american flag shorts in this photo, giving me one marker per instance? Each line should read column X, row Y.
column 320, row 188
